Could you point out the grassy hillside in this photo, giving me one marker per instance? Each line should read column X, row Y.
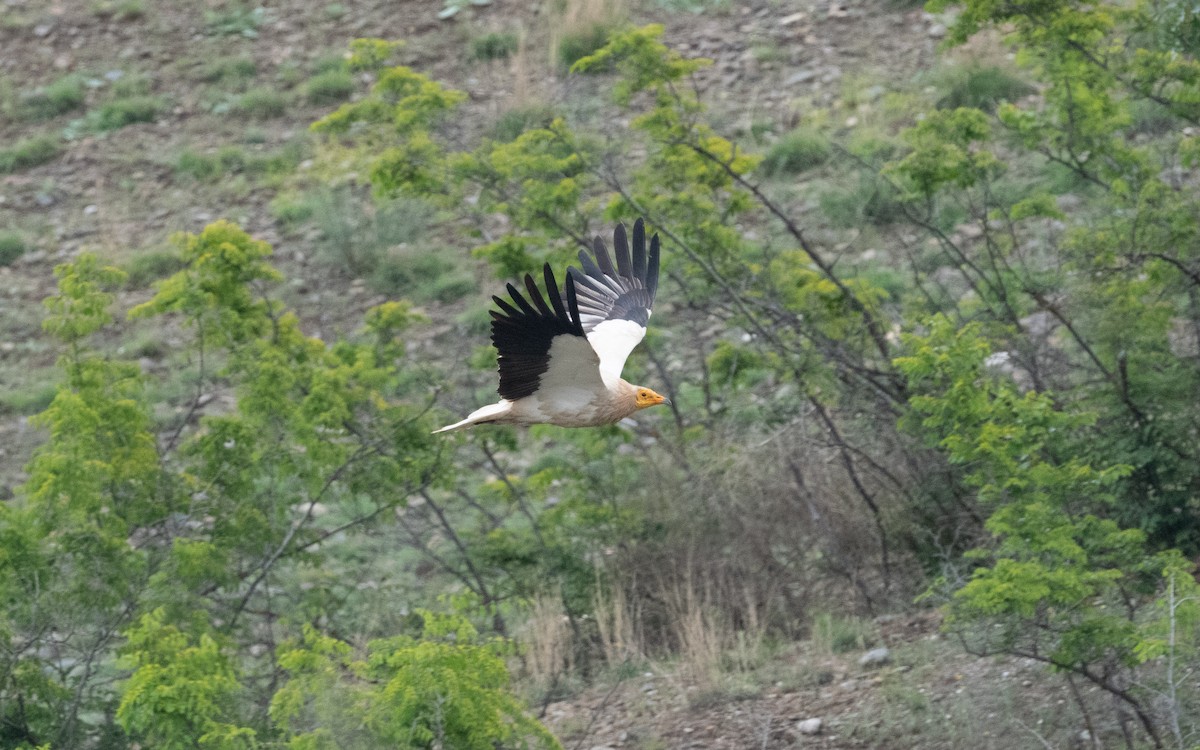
column 928, row 322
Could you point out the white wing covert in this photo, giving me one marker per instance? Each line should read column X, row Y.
column 614, row 301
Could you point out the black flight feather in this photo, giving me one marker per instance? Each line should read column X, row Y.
column 524, row 333
column 623, row 292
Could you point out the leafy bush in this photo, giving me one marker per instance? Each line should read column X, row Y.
column 237, row 160
column 12, row 246
column 261, row 103
column 29, row 152
column 146, row 268
column 29, row 400
column 329, row 87
column 292, row 209
column 226, row 69
column 495, row 45
column 420, row 274
column 64, row 95
column 235, row 19
column 576, row 44
column 983, row 88
column 181, row 692
column 443, row 688
column 796, row 152
column 870, row 200
column 357, row 237
column 514, row 122
column 119, row 113
column 120, row 10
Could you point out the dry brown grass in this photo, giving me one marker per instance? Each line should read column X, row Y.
column 618, row 627
column 547, row 642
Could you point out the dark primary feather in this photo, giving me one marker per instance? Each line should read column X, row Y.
column 621, row 292
column 523, row 334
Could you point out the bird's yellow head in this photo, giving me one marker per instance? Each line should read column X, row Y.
column 645, row 397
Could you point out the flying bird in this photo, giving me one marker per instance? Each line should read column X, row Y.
column 561, row 354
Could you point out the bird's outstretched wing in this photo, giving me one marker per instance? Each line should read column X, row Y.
column 540, row 344
column 614, row 302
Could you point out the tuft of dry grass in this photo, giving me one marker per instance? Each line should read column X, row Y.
column 618, row 627
column 547, row 642
column 582, row 27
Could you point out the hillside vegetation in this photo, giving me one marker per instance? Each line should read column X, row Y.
column 932, row 348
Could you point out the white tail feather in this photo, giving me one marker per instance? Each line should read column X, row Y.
column 483, row 414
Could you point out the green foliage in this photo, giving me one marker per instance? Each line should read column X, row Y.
column 229, row 160
column 115, row 532
column 868, row 200
column 577, row 44
column 978, row 87
column 514, row 122
column 945, row 153
column 29, row 152
column 27, row 401
column 371, row 54
column 63, row 95
column 443, row 688
column 120, row 10
column 118, row 113
column 181, row 691
column 357, row 236
column 329, row 87
column 261, row 103
column 495, row 45
column 229, row 69
column 235, row 19
column 145, row 268
column 839, row 635
column 796, row 152
column 12, row 246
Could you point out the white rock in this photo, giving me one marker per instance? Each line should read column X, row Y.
column 809, row 726
column 876, row 657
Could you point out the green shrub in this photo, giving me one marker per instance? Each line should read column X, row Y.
column 870, row 200
column 31, row 399
column 1152, row 118
column 357, row 239
column 262, row 103
column 128, row 86
column 58, row 98
column 120, row 10
column 235, row 159
column 839, row 635
column 327, row 63
column 577, row 44
column 983, row 88
column 421, row 274
column 121, row 112
column 291, row 209
column 199, row 166
column 229, row 69
column 29, row 152
column 444, row 687
column 12, row 246
column 796, row 152
column 329, row 87
column 146, row 268
column 235, row 20
column 496, row 45
column 516, row 121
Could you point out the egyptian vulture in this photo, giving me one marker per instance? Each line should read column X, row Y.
column 561, row 355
